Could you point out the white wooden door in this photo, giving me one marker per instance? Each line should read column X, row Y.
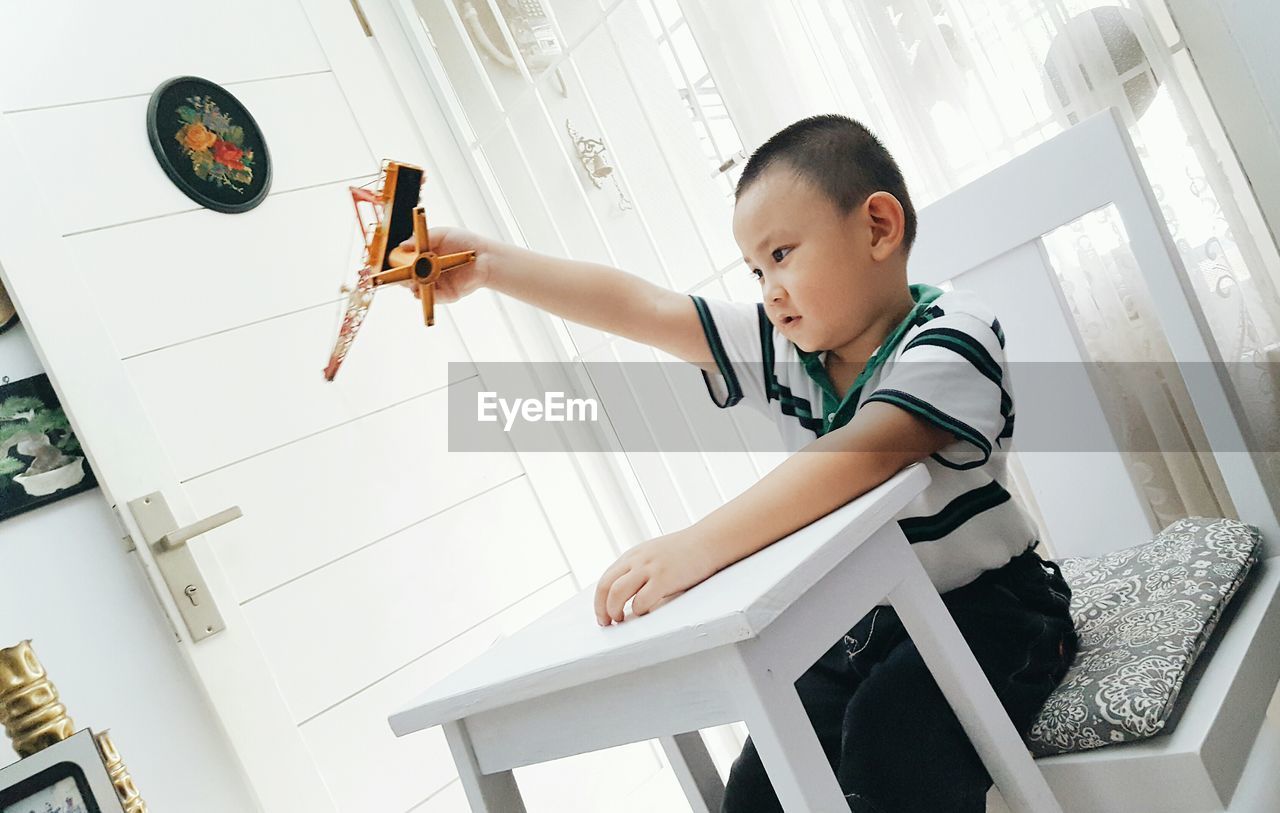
column 187, row 346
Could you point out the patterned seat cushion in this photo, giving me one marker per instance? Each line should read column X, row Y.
column 1143, row 615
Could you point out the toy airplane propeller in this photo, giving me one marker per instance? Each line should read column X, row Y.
column 389, row 214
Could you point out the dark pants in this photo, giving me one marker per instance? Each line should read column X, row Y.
column 893, row 741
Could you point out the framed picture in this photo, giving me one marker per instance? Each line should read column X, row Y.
column 61, row 788
column 208, row 144
column 8, row 313
column 66, row 777
column 40, row 458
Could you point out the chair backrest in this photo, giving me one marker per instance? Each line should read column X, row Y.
column 987, row 237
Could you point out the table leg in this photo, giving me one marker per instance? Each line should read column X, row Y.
column 962, row 681
column 486, row 793
column 788, row 746
column 698, row 776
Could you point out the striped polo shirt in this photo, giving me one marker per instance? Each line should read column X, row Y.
column 949, row 368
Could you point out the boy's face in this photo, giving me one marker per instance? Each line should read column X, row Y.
column 823, row 269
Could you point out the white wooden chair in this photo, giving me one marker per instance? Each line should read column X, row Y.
column 985, row 237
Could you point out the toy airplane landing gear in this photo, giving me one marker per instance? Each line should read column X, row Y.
column 389, row 215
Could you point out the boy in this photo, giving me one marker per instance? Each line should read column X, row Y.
column 834, row 354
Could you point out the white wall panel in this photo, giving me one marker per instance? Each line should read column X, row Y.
column 450, row 799
column 309, row 130
column 345, row 626
column 235, row 394
column 369, row 768
column 93, row 51
column 310, row 502
column 293, row 252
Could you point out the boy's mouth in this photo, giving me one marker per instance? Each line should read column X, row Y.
column 790, row 320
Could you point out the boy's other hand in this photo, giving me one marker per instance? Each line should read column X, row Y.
column 462, row 280
column 654, row 572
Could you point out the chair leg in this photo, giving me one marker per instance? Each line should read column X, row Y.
column 693, row 767
column 788, row 746
column 486, row 793
column 947, row 654
column 1259, row 787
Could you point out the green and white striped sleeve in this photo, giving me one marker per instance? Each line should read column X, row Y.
column 953, row 374
column 736, row 333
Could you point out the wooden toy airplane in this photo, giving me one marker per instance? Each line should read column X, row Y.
column 389, row 214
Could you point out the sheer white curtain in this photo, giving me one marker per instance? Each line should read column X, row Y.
column 955, row 89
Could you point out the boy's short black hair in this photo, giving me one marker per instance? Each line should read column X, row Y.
column 839, row 156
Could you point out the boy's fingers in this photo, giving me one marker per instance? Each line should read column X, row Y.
column 438, row 235
column 607, row 579
column 623, row 589
column 646, row 600
column 603, row 590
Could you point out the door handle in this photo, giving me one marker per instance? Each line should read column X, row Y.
column 177, row 538
column 168, row 544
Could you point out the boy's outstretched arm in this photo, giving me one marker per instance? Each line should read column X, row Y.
column 602, row 297
column 878, row 442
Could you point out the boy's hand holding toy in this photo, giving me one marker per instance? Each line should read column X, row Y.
column 460, row 280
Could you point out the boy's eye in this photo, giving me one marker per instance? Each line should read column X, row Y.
column 778, row 254
column 757, row 273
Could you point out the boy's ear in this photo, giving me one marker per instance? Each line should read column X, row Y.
column 888, row 223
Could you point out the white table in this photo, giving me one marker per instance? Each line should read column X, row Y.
column 729, row 649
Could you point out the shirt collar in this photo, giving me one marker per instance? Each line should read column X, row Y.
column 837, row 411
column 921, row 293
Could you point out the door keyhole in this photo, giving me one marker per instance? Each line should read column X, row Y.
column 191, row 594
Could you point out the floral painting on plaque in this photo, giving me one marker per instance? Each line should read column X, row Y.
column 208, row 144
